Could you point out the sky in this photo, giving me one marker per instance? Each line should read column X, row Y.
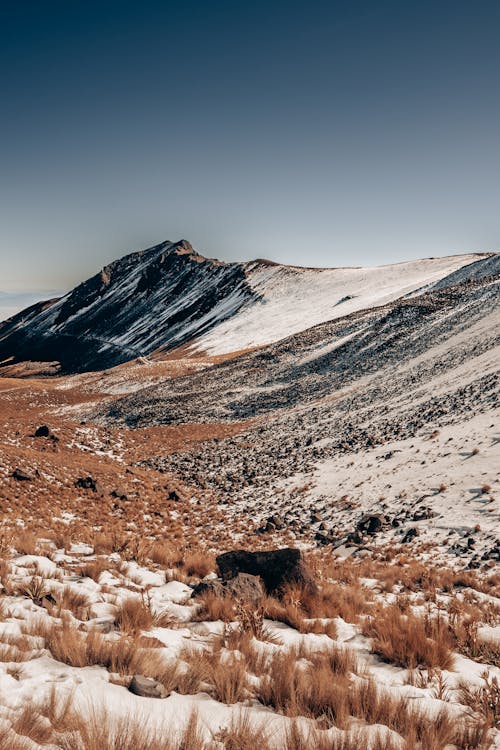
column 312, row 133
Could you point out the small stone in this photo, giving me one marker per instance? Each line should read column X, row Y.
column 21, row 476
column 146, row 687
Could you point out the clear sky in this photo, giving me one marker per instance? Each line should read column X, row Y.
column 317, row 133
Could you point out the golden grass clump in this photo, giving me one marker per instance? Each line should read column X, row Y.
column 136, row 613
column 408, row 640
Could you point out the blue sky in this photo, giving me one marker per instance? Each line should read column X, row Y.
column 319, row 133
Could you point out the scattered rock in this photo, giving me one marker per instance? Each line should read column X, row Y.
column 371, row 523
column 21, row 476
column 42, row 432
column 423, row 514
column 119, row 494
column 146, row 687
column 410, row 534
column 86, row 483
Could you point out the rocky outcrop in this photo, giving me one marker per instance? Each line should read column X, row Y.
column 276, row 568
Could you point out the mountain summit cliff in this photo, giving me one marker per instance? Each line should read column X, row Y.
column 157, row 298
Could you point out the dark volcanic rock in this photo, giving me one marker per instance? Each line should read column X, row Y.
column 410, row 534
column 86, row 483
column 42, row 432
column 371, row 523
column 275, row 567
column 21, row 476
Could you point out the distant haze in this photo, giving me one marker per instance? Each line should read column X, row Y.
column 13, row 302
column 320, row 133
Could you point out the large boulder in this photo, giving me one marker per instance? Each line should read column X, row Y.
column 276, row 567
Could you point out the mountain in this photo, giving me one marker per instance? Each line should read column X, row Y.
column 407, row 393
column 170, row 295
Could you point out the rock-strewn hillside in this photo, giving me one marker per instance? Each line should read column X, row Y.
column 331, row 397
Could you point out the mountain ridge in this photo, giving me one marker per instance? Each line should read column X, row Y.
column 169, row 295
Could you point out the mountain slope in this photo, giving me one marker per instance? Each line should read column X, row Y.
column 169, row 295
column 290, row 299
column 408, row 394
column 159, row 298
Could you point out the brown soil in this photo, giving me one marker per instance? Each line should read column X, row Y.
column 128, row 498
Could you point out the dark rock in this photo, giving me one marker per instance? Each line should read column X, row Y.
column 86, row 483
column 354, row 538
column 276, row 521
column 371, row 523
column 119, row 494
column 246, row 587
column 42, row 432
column 410, row 534
column 275, row 567
column 146, row 687
column 423, row 514
column 21, row 476
column 214, row 586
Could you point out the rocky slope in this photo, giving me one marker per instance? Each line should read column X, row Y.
column 332, row 396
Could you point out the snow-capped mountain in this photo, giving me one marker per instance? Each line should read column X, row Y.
column 170, row 295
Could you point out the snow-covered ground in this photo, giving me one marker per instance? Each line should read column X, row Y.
column 292, row 299
column 37, row 667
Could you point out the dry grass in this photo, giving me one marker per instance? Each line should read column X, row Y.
column 166, row 555
column 136, row 613
column 94, row 568
column 357, row 739
column 212, row 608
column 15, row 648
column 25, row 543
column 102, row 731
column 307, row 689
column 466, row 640
column 244, row 734
column 76, row 602
column 299, row 603
column 484, row 700
column 198, row 564
column 409, row 641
